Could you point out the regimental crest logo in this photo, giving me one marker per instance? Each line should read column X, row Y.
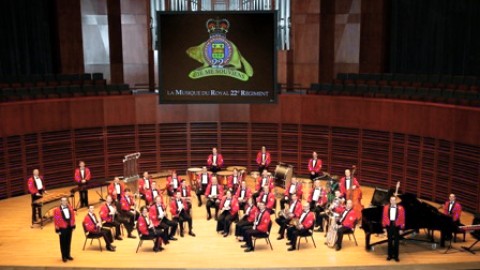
column 219, row 56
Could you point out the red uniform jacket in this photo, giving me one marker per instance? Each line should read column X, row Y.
column 267, row 158
column 456, row 211
column 297, row 211
column 399, row 219
column 174, row 206
column 219, row 160
column 170, row 182
column 78, row 175
column 343, row 188
column 105, row 212
column 59, row 219
column 219, row 191
column 186, row 192
column 199, row 178
column 142, row 225
column 248, row 193
column 308, row 220
column 253, row 212
column 230, row 180
column 270, row 203
column 150, row 197
column 127, row 206
column 32, row 186
column 322, row 199
column 233, row 205
column 142, row 185
column 258, row 185
column 262, row 221
column 349, row 220
column 89, row 225
column 318, row 165
column 153, row 213
column 298, row 190
column 113, row 192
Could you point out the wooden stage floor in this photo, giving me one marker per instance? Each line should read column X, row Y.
column 22, row 247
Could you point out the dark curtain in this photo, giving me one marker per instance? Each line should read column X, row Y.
column 28, row 40
column 435, row 37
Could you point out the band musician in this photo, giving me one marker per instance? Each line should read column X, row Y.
column 453, row 208
column 213, row 193
column 229, row 212
column 215, row 161
column 263, row 159
column 260, row 227
column 93, row 226
column 152, row 193
column 304, row 227
column 393, row 221
column 246, row 221
column 268, row 198
column 64, row 222
column 146, row 228
column 318, row 201
column 346, row 223
column 81, row 176
column 128, row 207
column 186, row 193
column 116, row 189
column 294, row 187
column 111, row 217
column 144, row 185
column 234, row 180
column 204, row 177
column 285, row 216
column 158, row 215
column 314, row 166
column 263, row 180
column 36, row 188
column 180, row 211
column 173, row 183
column 243, row 194
column 347, row 183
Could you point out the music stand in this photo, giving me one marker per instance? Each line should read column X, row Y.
column 130, row 173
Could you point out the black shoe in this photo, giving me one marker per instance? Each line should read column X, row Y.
column 389, row 258
column 110, row 248
column 225, row 234
column 200, row 204
column 181, row 234
column 119, row 238
column 70, row 258
column 397, row 259
column 337, row 247
column 280, row 237
column 155, row 249
column 209, row 217
column 250, row 249
column 245, row 246
column 172, row 238
column 160, row 248
column 320, row 229
column 191, row 234
column 64, row 260
column 132, row 236
column 113, row 246
column 289, row 243
column 291, row 249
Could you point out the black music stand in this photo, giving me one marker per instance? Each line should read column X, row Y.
column 475, row 234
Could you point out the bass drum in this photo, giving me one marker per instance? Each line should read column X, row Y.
column 283, row 174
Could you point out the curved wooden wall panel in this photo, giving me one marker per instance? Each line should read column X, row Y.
column 431, row 149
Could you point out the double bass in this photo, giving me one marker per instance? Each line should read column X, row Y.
column 355, row 194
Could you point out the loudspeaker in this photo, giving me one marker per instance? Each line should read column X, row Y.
column 380, row 197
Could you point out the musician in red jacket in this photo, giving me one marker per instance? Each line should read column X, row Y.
column 112, row 217
column 263, row 159
column 186, row 194
column 93, row 226
column 204, row 178
column 173, row 183
column 306, row 221
column 127, row 207
column 215, row 161
column 158, row 215
column 64, row 222
column 229, row 211
column 318, row 200
column 243, row 193
column 284, row 218
column 263, row 180
column 260, row 227
column 146, row 228
column 453, row 208
column 36, row 187
column 314, row 166
column 294, row 187
column 144, row 185
column 116, row 189
column 234, row 180
column 393, row 220
column 151, row 193
column 246, row 221
column 213, row 193
column 347, row 222
column 179, row 209
column 347, row 183
column 82, row 176
column 268, row 198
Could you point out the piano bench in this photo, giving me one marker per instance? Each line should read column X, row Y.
column 459, row 232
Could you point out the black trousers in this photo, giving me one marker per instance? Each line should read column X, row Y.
column 340, row 232
column 83, row 191
column 242, row 226
column 393, row 240
column 126, row 221
column 184, row 216
column 224, row 221
column 256, row 194
column 261, row 168
column 293, row 233
column 284, row 201
column 114, row 224
column 313, row 176
column 106, row 234
column 36, row 209
column 317, row 210
column 200, row 192
column 210, row 204
column 132, row 217
column 282, row 221
column 247, row 236
column 158, row 235
column 215, row 169
column 65, row 241
column 168, row 226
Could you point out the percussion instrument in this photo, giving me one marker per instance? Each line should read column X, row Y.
column 192, row 176
column 47, row 203
column 283, row 174
column 307, row 188
column 239, row 168
column 89, row 185
column 223, row 177
column 254, row 174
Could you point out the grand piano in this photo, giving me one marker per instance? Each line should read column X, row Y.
column 418, row 215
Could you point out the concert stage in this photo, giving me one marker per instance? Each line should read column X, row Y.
column 22, row 247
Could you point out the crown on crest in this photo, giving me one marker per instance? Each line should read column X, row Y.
column 217, row 26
